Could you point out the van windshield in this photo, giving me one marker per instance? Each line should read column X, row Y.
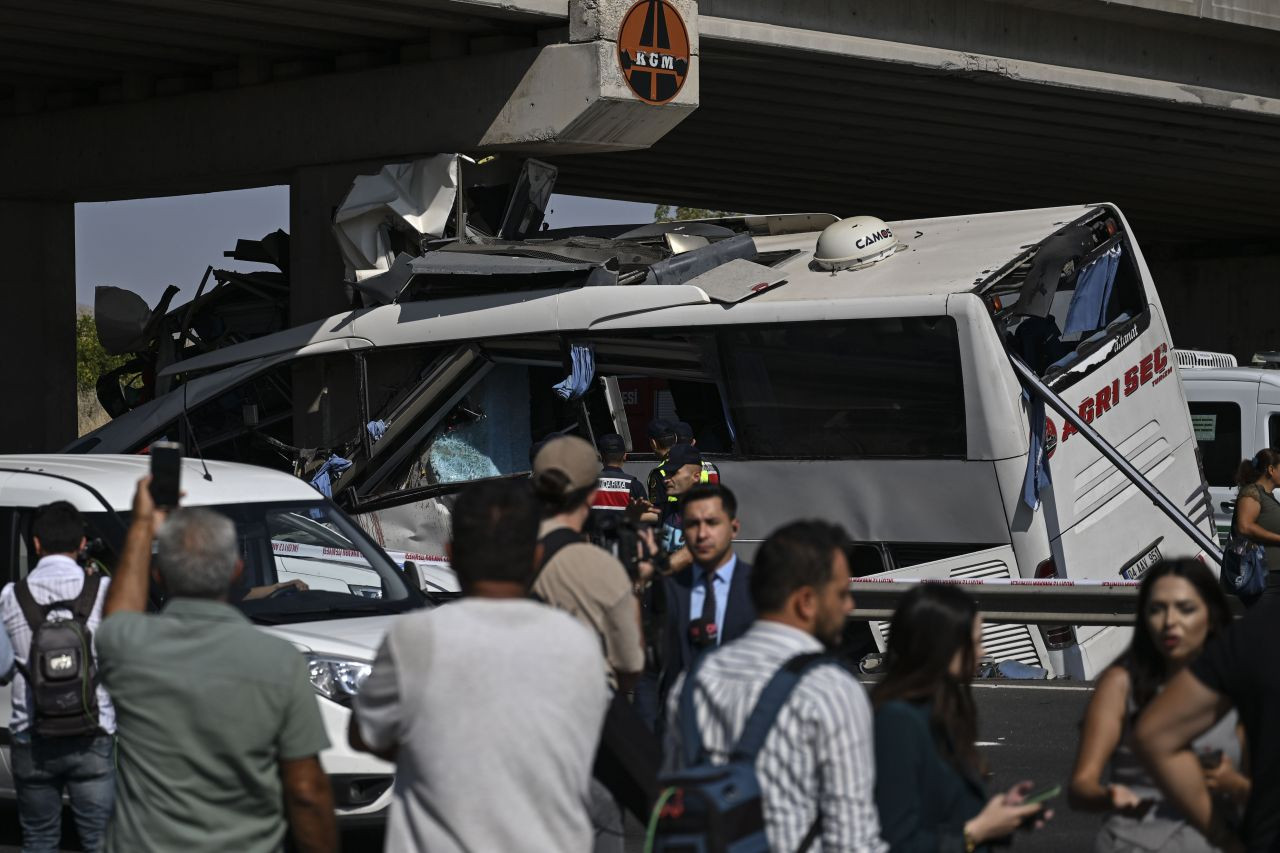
column 850, row 389
column 307, row 561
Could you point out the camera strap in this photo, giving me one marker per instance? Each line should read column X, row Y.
column 552, row 544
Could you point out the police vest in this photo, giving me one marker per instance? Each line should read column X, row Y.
column 612, row 493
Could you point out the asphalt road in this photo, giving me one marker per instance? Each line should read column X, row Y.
column 1027, row 732
column 1031, row 732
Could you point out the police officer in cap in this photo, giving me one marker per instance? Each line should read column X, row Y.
column 616, row 489
column 662, row 437
column 684, row 435
column 684, row 471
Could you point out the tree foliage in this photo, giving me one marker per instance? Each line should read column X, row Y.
column 91, row 359
column 667, row 213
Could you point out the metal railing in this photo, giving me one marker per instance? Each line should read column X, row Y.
column 1005, row 601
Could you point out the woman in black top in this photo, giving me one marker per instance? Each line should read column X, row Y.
column 1257, row 514
column 1180, row 608
column 929, row 787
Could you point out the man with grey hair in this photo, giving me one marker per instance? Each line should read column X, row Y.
column 218, row 728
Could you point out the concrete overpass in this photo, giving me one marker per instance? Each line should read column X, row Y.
column 1171, row 108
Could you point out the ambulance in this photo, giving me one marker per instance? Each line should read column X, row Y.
column 855, row 370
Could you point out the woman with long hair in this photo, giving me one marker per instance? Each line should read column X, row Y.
column 1180, row 606
column 929, row 776
column 1257, row 515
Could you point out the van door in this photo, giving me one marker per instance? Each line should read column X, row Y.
column 1222, row 416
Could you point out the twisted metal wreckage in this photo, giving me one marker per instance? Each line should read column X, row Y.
column 443, row 227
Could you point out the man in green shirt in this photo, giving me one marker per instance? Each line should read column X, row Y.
column 218, row 728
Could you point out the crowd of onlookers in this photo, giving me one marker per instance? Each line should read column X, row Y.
column 573, row 683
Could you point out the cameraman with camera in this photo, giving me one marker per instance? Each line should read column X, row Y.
column 591, row 585
column 576, row 576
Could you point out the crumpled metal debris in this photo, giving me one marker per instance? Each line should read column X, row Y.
column 403, row 201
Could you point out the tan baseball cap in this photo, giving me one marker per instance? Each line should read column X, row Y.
column 571, row 456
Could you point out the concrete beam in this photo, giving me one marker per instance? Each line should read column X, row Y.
column 1065, row 37
column 1246, row 13
column 563, row 98
column 965, row 63
column 37, row 325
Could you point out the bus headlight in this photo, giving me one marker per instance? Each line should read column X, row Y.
column 337, row 679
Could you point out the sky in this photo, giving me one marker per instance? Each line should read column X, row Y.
column 144, row 245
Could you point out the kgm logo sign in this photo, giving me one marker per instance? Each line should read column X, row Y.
column 653, row 50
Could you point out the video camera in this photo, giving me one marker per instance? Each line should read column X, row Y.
column 620, row 533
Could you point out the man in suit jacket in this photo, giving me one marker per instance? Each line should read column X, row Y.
column 707, row 603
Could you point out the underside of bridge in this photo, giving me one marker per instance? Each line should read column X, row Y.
column 899, row 108
column 781, row 129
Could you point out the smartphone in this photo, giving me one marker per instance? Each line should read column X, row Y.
column 166, row 473
column 1210, row 758
column 1042, row 796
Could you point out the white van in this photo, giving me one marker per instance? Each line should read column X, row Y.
column 880, row 396
column 287, row 531
column 1235, row 412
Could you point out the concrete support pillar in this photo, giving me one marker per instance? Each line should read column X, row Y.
column 1220, row 303
column 37, row 325
column 316, row 288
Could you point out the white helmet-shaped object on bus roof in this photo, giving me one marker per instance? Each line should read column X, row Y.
column 855, row 242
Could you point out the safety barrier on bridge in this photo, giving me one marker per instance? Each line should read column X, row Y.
column 1015, row 601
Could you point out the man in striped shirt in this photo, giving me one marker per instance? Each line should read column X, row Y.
column 817, row 765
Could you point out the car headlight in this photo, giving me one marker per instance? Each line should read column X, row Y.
column 335, row 678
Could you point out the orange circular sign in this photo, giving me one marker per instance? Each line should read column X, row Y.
column 653, row 50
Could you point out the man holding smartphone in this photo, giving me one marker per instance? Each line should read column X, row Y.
column 219, row 729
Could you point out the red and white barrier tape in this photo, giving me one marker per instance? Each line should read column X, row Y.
column 297, row 549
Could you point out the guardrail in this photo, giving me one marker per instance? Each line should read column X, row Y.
column 1016, row 601
column 1001, row 600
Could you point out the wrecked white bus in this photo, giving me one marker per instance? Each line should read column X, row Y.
column 874, row 389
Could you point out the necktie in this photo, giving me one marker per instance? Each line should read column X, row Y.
column 704, row 630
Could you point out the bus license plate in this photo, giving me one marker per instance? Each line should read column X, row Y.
column 1135, row 570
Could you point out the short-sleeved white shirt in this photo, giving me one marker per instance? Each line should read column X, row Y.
column 55, row 578
column 495, row 708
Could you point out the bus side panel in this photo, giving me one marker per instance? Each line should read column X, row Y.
column 1028, row 530
column 1136, row 402
column 996, row 423
column 894, row 500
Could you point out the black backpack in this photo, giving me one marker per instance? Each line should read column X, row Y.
column 710, row 808
column 60, row 668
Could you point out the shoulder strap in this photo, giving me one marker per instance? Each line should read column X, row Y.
column 772, row 698
column 32, row 611
column 812, row 835
column 83, row 605
column 554, row 542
